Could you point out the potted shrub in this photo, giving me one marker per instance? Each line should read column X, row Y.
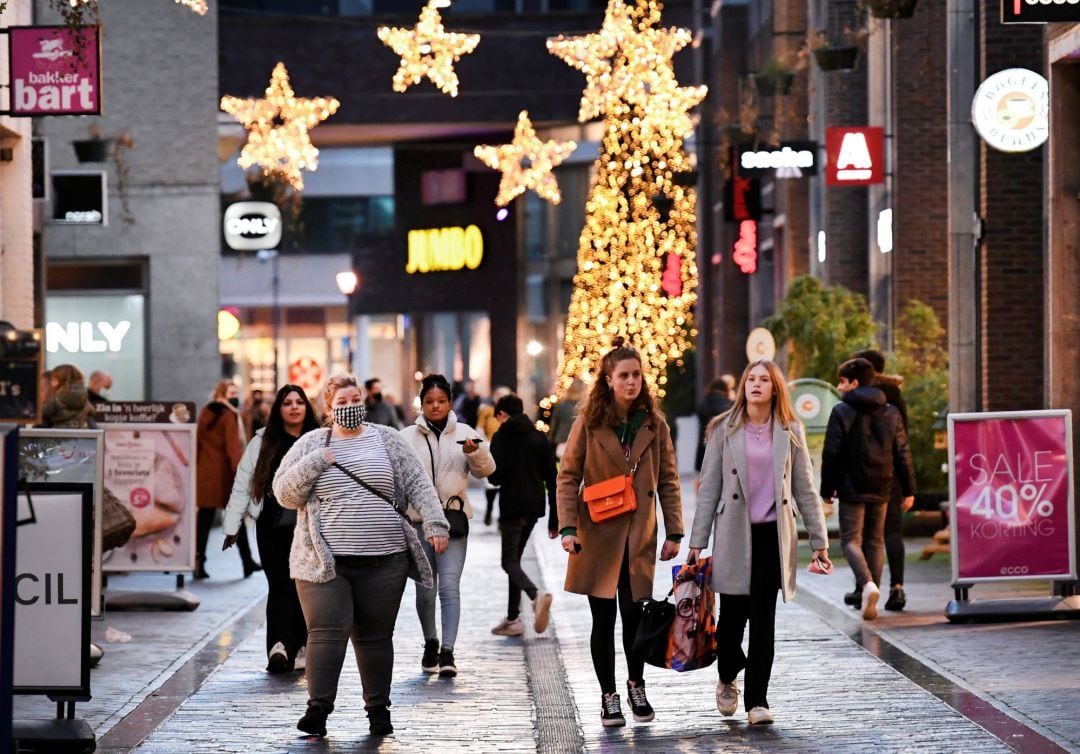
column 834, row 54
column 774, row 78
column 93, row 149
column 892, row 8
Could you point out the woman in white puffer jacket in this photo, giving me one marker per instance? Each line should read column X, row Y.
column 448, row 451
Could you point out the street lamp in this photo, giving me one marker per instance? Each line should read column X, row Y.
column 347, row 283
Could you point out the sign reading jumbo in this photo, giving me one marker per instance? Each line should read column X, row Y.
column 442, row 249
column 55, row 71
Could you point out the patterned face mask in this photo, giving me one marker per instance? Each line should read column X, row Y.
column 350, row 417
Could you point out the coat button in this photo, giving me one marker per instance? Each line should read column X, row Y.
column 785, row 502
column 735, row 496
column 734, row 471
column 651, row 493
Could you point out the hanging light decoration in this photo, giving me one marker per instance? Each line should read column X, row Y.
column 197, row 6
column 428, row 49
column 526, row 163
column 278, row 126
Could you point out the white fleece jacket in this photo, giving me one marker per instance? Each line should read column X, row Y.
column 445, row 463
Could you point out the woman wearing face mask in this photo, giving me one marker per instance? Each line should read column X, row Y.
column 755, row 472
column 219, row 446
column 350, row 553
column 290, row 416
column 618, row 432
column 448, row 450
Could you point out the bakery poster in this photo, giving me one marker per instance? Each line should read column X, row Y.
column 150, row 468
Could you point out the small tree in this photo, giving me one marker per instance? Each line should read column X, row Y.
column 824, row 325
column 922, row 359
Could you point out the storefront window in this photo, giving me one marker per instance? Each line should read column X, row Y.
column 106, row 332
column 340, row 223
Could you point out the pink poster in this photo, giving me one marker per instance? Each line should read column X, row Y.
column 55, row 71
column 1012, row 492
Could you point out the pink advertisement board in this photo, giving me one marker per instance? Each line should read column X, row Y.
column 54, row 71
column 1012, row 496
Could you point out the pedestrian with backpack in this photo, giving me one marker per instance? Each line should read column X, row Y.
column 865, row 450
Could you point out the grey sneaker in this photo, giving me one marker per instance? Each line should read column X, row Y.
column 727, row 698
column 509, row 627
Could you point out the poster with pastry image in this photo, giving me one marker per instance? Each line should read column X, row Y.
column 150, row 469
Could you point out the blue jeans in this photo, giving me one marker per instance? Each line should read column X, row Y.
column 446, row 570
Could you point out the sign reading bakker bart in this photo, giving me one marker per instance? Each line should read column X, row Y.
column 1011, row 110
column 854, row 156
column 54, row 71
column 1011, row 486
column 1039, row 11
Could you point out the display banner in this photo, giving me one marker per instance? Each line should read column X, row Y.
column 150, row 468
column 1011, row 487
column 145, row 412
column 52, row 590
column 55, row 71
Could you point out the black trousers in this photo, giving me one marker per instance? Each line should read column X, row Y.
column 759, row 608
column 515, row 531
column 204, row 521
column 602, row 639
column 894, row 536
column 284, row 616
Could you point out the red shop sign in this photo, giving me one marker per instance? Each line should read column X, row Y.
column 854, row 156
column 1010, row 474
column 54, row 71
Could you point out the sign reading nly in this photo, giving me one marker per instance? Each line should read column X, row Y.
column 444, row 249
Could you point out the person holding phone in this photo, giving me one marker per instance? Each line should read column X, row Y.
column 449, row 450
column 619, row 431
column 755, row 473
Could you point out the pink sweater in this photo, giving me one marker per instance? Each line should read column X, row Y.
column 759, row 467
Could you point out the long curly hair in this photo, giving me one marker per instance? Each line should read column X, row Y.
column 276, row 441
column 599, row 409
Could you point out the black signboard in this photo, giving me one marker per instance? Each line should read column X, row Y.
column 19, row 390
column 1039, row 11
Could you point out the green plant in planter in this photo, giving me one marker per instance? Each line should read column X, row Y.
column 835, row 53
column 775, row 77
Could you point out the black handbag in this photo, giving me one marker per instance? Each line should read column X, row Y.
column 654, row 631
column 455, row 516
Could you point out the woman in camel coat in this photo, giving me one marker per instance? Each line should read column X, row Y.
column 618, row 432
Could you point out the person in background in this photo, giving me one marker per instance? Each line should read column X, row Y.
column 467, row 404
column 350, row 554
column 255, row 412
column 67, row 406
column 399, row 412
column 618, row 432
column 563, row 415
column 291, row 415
column 489, row 425
column 719, row 397
column 755, row 473
column 378, row 411
column 99, row 384
column 449, row 451
column 219, row 442
column 894, row 514
column 525, row 473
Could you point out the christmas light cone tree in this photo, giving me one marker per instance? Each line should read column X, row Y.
column 636, row 274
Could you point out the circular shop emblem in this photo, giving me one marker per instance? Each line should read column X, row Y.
column 1011, row 110
column 306, row 373
column 807, row 406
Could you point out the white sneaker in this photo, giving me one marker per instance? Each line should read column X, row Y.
column 727, row 698
column 870, row 594
column 509, row 628
column 278, row 660
column 300, row 663
column 541, row 611
column 759, row 716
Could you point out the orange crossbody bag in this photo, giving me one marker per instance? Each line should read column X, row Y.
column 611, row 498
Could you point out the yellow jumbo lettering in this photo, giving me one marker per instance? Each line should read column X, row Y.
column 438, row 249
column 474, row 247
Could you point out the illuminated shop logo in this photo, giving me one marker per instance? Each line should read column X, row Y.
column 856, row 156
column 445, row 249
column 252, row 226
column 1011, row 110
column 746, row 248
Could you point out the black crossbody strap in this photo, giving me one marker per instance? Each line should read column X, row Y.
column 364, row 484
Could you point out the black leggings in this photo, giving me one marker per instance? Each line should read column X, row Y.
column 602, row 641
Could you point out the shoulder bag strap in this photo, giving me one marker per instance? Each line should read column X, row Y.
column 362, row 483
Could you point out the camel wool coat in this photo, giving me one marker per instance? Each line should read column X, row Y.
column 594, row 455
column 723, row 506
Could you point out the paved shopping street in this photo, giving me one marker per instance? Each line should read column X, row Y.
column 195, row 682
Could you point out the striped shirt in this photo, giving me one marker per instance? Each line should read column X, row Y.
column 354, row 521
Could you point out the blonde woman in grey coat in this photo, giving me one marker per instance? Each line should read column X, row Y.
column 351, row 549
column 755, row 473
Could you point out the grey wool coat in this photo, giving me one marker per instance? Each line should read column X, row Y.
column 723, row 506
column 294, row 487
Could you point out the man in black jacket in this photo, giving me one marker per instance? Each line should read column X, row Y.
column 525, row 473
column 865, row 450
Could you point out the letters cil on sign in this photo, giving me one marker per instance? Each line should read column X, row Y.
column 55, row 71
column 1011, row 475
column 855, row 156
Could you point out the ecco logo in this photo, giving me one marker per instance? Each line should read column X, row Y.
column 1014, row 570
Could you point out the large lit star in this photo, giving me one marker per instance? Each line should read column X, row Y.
column 592, row 55
column 278, row 126
column 428, row 50
column 526, row 163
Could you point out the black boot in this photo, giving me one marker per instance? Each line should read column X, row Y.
column 313, row 721
column 854, row 599
column 200, row 569
column 379, row 721
column 897, row 599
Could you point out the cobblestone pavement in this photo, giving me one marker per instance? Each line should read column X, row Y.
column 910, row 682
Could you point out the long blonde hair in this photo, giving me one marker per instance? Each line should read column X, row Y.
column 781, row 409
column 335, row 383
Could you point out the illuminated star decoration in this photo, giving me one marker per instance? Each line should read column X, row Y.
column 278, row 126
column 428, row 50
column 526, row 163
